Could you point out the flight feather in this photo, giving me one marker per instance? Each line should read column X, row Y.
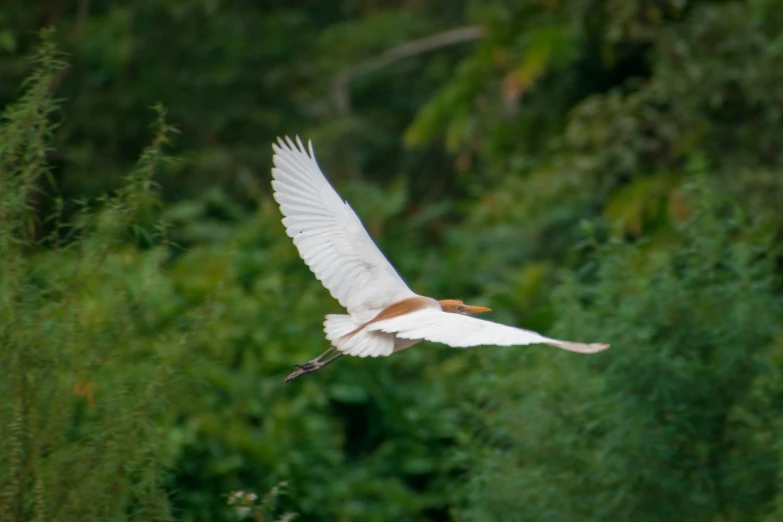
column 462, row 331
column 330, row 236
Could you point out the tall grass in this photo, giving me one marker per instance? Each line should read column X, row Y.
column 84, row 376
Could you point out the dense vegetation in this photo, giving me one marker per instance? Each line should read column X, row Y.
column 602, row 170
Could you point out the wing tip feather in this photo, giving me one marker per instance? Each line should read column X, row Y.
column 285, row 145
column 579, row 347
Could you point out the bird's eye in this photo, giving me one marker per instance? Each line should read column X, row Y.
column 460, row 308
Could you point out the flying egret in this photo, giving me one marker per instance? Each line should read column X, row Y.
column 384, row 315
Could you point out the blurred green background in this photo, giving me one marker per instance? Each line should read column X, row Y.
column 600, row 170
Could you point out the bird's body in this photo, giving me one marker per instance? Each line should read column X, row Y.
column 364, row 339
column 384, row 314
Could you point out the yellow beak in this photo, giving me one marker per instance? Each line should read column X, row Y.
column 477, row 309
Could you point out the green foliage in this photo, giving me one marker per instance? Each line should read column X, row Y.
column 85, row 381
column 353, row 443
column 685, row 406
column 248, row 505
column 479, row 168
column 24, row 138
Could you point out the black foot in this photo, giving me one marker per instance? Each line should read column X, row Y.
column 303, row 369
column 312, row 366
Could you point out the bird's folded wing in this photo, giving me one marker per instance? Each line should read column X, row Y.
column 329, row 235
column 462, row 331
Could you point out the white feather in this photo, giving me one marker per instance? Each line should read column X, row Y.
column 462, row 331
column 335, row 245
column 366, row 344
column 330, row 237
column 338, row 325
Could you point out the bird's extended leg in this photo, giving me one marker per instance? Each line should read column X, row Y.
column 312, row 366
column 316, row 360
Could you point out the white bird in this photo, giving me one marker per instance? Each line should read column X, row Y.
column 384, row 314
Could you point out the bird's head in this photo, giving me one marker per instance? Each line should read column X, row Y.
column 455, row 306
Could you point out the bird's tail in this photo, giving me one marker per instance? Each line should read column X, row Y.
column 349, row 337
column 337, row 326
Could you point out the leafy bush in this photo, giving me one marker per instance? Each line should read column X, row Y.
column 679, row 420
column 561, row 112
column 143, row 381
column 85, row 378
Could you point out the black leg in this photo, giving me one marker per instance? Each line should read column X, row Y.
column 330, row 361
column 312, row 366
column 316, row 360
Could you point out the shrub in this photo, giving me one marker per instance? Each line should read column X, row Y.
column 679, row 420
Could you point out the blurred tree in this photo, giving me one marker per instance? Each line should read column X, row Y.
column 680, row 420
column 84, row 381
column 473, row 164
column 233, row 76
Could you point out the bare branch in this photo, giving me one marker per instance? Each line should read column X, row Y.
column 342, row 81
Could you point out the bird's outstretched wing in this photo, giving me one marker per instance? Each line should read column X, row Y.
column 329, row 235
column 462, row 331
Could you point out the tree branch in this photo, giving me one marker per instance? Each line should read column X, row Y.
column 342, row 80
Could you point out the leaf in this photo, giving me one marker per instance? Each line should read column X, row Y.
column 640, row 202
